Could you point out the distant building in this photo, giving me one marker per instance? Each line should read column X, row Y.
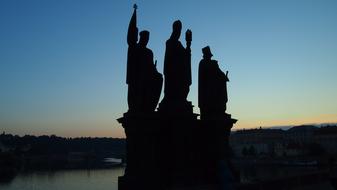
column 300, row 134
column 262, row 140
column 295, row 141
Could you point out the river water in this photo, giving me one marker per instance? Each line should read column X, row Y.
column 107, row 179
column 98, row 179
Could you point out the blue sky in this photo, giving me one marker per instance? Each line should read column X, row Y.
column 63, row 62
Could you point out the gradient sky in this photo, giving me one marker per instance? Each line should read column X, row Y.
column 63, row 62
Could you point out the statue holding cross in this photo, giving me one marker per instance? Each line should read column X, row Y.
column 143, row 79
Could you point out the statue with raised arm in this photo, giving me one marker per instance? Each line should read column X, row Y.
column 131, row 72
column 212, row 86
column 177, row 66
column 144, row 81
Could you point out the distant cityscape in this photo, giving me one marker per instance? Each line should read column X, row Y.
column 297, row 141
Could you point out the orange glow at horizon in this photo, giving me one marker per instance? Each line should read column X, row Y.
column 326, row 118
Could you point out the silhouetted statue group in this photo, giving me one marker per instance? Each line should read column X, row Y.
column 171, row 148
column 145, row 82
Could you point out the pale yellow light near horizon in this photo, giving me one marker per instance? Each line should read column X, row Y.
column 115, row 130
column 319, row 119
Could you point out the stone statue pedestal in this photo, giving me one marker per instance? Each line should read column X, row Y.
column 176, row 108
column 175, row 151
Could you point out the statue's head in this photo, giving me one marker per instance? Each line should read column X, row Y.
column 144, row 37
column 207, row 52
column 176, row 27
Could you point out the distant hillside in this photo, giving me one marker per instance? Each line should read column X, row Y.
column 54, row 145
column 51, row 152
column 286, row 127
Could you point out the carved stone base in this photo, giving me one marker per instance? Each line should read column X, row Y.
column 175, row 151
column 176, row 108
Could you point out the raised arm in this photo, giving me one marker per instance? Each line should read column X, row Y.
column 133, row 30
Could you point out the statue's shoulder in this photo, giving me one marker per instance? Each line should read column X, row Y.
column 149, row 51
column 203, row 64
column 169, row 41
column 214, row 62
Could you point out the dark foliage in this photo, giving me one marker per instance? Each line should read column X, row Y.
column 54, row 145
